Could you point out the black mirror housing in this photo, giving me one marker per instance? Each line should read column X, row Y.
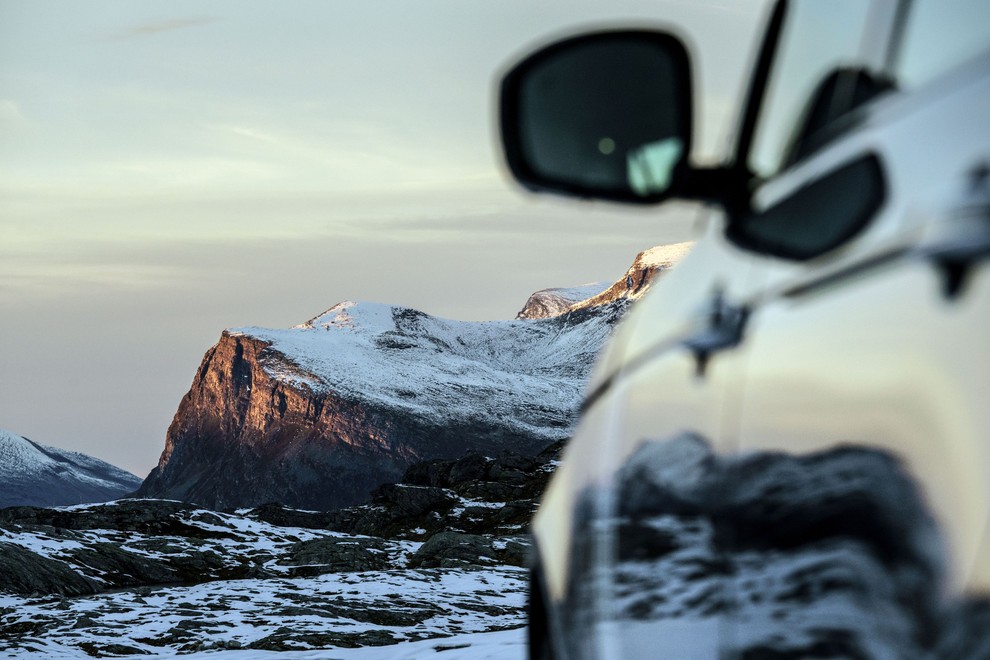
column 605, row 115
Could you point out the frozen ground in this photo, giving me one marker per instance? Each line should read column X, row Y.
column 261, row 616
column 501, row 645
column 259, row 587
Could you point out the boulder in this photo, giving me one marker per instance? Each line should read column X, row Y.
column 336, row 555
column 452, row 549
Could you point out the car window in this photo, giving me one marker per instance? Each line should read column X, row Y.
column 940, row 34
column 819, row 40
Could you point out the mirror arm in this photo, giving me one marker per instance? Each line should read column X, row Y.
column 727, row 187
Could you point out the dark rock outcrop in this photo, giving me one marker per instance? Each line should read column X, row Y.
column 123, row 568
column 25, row 572
column 336, row 555
column 452, row 550
column 474, row 494
column 159, row 517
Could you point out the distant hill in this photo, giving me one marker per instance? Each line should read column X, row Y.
column 32, row 474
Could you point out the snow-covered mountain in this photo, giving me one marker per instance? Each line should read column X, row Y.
column 318, row 415
column 37, row 475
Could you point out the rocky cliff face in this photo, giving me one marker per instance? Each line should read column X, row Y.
column 646, row 268
column 39, row 475
column 319, row 415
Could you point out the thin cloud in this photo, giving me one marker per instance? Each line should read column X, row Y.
column 165, row 25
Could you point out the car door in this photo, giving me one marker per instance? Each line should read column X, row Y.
column 857, row 506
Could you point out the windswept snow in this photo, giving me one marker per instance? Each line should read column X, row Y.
column 383, row 607
column 283, row 605
column 665, row 255
column 523, row 372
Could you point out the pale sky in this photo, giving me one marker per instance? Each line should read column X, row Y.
column 168, row 170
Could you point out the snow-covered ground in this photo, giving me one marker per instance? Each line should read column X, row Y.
column 501, row 645
column 292, row 591
column 445, row 607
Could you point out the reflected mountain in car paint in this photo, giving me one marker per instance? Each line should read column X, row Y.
column 767, row 555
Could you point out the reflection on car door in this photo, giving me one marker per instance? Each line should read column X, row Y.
column 860, row 514
column 647, row 568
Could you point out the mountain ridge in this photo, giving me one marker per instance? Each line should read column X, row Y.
column 318, row 415
column 35, row 474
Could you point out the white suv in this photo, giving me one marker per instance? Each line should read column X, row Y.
column 785, row 450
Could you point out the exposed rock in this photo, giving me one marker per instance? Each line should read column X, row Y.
column 646, row 268
column 286, row 639
column 306, row 443
column 335, row 555
column 473, row 494
column 159, row 517
column 452, row 550
column 516, row 552
column 110, row 650
column 122, row 568
column 277, row 514
column 25, row 572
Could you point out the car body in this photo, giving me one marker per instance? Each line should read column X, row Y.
column 785, row 448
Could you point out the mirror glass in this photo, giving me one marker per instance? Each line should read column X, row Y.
column 605, row 115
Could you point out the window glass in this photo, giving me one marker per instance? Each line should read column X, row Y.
column 819, row 38
column 818, row 217
column 940, row 34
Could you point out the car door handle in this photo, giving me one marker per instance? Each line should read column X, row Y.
column 719, row 326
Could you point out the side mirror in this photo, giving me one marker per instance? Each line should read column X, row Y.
column 604, row 115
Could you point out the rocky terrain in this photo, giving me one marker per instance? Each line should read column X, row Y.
column 39, row 475
column 318, row 415
column 436, row 555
